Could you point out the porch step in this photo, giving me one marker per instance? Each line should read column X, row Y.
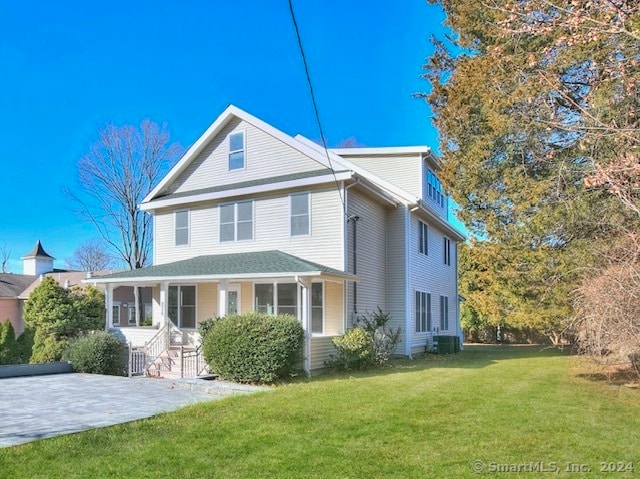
column 168, row 365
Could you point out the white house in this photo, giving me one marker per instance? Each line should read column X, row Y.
column 254, row 219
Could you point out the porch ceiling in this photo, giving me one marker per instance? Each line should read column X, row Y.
column 235, row 266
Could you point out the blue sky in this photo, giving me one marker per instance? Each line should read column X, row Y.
column 69, row 68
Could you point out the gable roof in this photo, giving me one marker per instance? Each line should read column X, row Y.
column 259, row 264
column 12, row 285
column 227, row 115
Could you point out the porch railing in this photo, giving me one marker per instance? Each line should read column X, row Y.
column 192, row 362
column 141, row 358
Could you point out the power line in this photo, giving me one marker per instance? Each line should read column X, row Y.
column 315, row 106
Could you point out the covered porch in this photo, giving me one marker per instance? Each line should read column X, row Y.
column 187, row 292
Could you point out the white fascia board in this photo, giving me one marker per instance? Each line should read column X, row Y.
column 250, row 190
column 390, row 150
column 402, row 195
column 440, row 221
column 215, row 128
column 219, row 277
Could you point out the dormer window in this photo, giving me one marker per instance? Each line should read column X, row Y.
column 236, row 151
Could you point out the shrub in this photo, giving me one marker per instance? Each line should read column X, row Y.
column 97, row 353
column 368, row 344
column 354, row 350
column 205, row 326
column 25, row 345
column 9, row 350
column 253, row 347
column 385, row 340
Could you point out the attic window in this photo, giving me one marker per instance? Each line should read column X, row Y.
column 236, row 151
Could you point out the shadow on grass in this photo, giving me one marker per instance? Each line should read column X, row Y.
column 619, row 376
column 474, row 356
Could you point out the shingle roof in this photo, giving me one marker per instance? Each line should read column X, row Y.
column 261, row 263
column 38, row 251
column 12, row 285
column 248, row 184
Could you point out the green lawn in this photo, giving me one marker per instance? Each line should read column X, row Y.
column 427, row 418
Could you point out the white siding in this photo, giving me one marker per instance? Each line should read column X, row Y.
column 321, row 350
column 430, row 274
column 371, row 253
column 396, row 272
column 265, row 157
column 271, row 230
column 403, row 171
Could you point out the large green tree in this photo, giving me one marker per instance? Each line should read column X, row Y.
column 56, row 315
column 538, row 113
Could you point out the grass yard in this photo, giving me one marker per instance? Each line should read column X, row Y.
column 517, row 407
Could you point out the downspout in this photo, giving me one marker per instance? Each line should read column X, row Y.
column 346, row 250
column 407, row 280
column 354, row 219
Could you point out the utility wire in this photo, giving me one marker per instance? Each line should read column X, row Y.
column 315, row 106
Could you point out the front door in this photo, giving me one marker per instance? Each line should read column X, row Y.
column 233, row 299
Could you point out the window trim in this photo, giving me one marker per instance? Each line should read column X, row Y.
column 423, row 238
column 132, row 320
column 175, row 227
column 235, row 221
column 308, row 214
column 423, row 324
column 444, row 313
column 115, row 304
column 243, row 150
column 323, row 306
column 434, row 188
column 179, row 305
column 447, row 251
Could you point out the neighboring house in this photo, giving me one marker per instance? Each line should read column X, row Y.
column 252, row 219
column 37, row 264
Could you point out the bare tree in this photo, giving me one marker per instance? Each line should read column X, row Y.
column 350, row 142
column 607, row 324
column 119, row 170
column 92, row 255
column 4, row 257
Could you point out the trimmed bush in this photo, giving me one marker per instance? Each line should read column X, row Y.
column 97, row 353
column 253, row 347
column 354, row 350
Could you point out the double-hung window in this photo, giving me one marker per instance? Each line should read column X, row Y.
column 434, row 188
column 317, row 308
column 300, row 214
column 444, row 313
column 423, row 312
column 236, row 151
column 423, row 238
column 181, row 227
column 447, row 251
column 236, row 221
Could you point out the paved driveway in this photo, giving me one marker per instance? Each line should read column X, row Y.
column 38, row 407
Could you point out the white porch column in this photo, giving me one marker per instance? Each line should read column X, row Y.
column 164, row 303
column 222, row 298
column 108, row 304
column 305, row 319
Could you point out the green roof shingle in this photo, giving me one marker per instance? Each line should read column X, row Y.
column 261, row 263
